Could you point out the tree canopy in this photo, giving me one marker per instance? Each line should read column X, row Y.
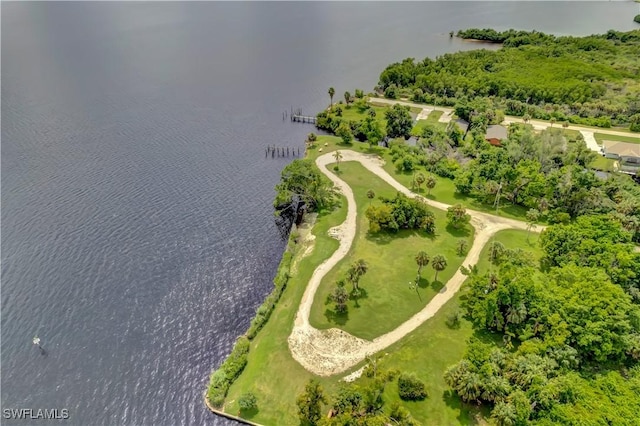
column 585, row 80
column 301, row 178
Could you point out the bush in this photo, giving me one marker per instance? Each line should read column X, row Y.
column 410, row 388
column 637, row 19
column 280, row 281
column 453, row 319
column 223, row 377
column 247, row 402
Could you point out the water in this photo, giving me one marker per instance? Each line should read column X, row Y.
column 137, row 228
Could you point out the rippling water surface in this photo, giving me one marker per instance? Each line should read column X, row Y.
column 137, row 228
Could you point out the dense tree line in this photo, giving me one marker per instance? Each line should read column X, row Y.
column 584, row 80
column 571, row 333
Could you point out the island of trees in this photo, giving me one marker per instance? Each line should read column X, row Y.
column 546, row 327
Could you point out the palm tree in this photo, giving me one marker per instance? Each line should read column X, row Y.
column 439, row 263
column 347, row 97
column 420, row 180
column 526, row 118
column 532, row 217
column 371, row 195
column 422, row 259
column 552, row 121
column 355, row 272
column 431, row 183
column 338, row 156
column 332, row 92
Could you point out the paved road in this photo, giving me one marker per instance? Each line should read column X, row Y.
column 537, row 124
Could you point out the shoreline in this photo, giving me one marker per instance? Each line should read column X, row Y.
column 227, row 415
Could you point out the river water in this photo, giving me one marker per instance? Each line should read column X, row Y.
column 137, row 227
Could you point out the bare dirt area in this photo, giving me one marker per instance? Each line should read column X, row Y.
column 333, row 351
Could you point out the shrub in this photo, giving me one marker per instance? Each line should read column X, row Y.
column 221, row 379
column 453, row 319
column 247, row 402
column 410, row 388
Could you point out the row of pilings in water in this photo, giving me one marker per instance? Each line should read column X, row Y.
column 279, row 151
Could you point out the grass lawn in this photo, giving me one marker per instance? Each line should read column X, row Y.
column 511, row 239
column 353, row 113
column 269, row 358
column 602, row 163
column 431, row 120
column 602, row 136
column 445, row 192
column 428, row 352
column 392, row 266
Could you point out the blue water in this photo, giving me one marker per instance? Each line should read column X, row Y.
column 137, row 227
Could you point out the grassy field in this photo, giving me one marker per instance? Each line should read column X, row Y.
column 602, row 163
column 353, row 113
column 432, row 120
column 444, row 191
column 392, row 266
column 511, row 239
column 276, row 379
column 269, row 358
column 602, row 136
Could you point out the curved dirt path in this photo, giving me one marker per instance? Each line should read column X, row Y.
column 329, row 352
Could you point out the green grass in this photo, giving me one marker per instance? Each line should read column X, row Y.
column 269, row 358
column 276, row 379
column 602, row 163
column 431, row 120
column 511, row 239
column 445, row 192
column 353, row 113
column 428, row 352
column 603, row 136
column 392, row 266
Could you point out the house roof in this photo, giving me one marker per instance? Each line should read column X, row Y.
column 496, row 132
column 623, row 149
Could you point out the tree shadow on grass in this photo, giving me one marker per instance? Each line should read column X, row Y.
column 468, row 412
column 336, row 318
column 385, row 237
column 438, row 286
column 249, row 414
column 463, row 232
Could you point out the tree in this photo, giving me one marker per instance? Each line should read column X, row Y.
column 526, row 118
column 552, row 121
column 310, row 403
column 338, row 156
column 399, row 122
column 422, row 259
column 457, row 216
column 431, row 183
column 532, row 218
column 347, row 97
column 332, row 92
column 247, row 402
column 355, row 272
column 371, row 195
column 340, row 297
column 438, row 263
column 461, row 247
column 344, row 132
column 420, row 179
column 311, row 137
column 301, row 178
